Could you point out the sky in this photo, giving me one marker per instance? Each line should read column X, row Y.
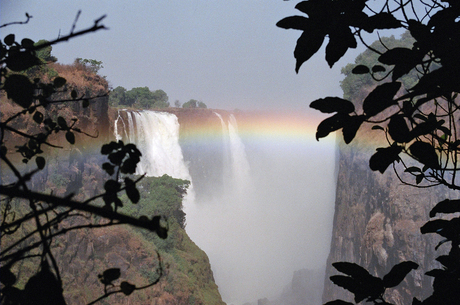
column 228, row 54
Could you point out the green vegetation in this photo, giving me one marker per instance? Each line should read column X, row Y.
column 194, row 104
column 144, row 98
column 139, row 97
column 92, row 64
column 413, row 104
column 353, row 85
column 189, row 272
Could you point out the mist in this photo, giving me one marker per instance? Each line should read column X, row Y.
column 279, row 223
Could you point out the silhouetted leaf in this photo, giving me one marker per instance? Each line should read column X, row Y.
column 62, row 123
column 85, row 103
column 347, row 283
column 117, row 157
column 398, row 130
column 294, row 22
column 377, row 127
column 73, row 94
column 108, row 148
column 332, row 104
column 331, row 124
column 352, row 269
column 7, row 277
column 351, row 126
column 378, row 68
column 109, row 168
column 131, row 190
column 360, row 69
column 59, row 82
column 18, row 60
column 448, row 261
column 413, row 169
column 381, row 21
column 419, row 178
column 446, row 206
column 40, row 161
column 19, row 89
column 425, row 153
column 340, row 41
column 338, row 302
column 129, row 166
column 398, row 273
column 9, row 39
column 127, row 288
column 380, row 98
column 70, row 137
column 384, row 157
column 112, row 186
column 109, row 275
column 43, row 288
column 311, row 8
column 38, row 117
column 420, row 32
column 161, row 231
column 425, row 128
column 404, row 60
column 27, row 43
column 308, row 44
column 446, row 228
column 436, row 273
column 3, row 150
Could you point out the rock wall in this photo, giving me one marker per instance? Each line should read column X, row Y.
column 377, row 223
column 83, row 254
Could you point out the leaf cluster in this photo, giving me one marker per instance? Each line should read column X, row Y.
column 365, row 286
column 413, row 101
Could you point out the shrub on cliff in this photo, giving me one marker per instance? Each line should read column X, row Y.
column 419, row 122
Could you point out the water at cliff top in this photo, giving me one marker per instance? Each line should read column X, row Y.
column 264, row 194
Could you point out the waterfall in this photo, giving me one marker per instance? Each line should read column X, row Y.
column 236, row 166
column 240, row 164
column 156, row 135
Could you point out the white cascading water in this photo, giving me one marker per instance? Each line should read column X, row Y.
column 236, row 166
column 240, row 165
column 156, row 135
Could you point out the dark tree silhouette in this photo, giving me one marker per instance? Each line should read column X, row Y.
column 418, row 123
column 46, row 212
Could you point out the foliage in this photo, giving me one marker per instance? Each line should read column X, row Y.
column 92, row 64
column 353, row 84
column 165, row 198
column 413, row 103
column 139, row 97
column 194, row 104
column 31, row 220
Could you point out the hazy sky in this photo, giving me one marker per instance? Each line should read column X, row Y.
column 229, row 54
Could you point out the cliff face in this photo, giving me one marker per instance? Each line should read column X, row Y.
column 377, row 224
column 83, row 254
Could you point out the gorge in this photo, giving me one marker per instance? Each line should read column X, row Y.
column 261, row 207
column 261, row 200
